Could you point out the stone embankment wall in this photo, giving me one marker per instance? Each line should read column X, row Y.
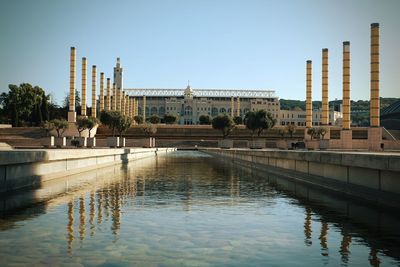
column 372, row 177
column 24, row 168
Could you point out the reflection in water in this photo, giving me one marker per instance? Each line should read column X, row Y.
column 82, row 218
column 307, row 227
column 195, row 209
column 70, row 225
column 345, row 246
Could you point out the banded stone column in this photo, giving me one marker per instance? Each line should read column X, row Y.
column 94, row 91
column 374, row 103
column 232, row 106
column 114, row 98
column 325, row 107
column 346, row 85
column 72, row 72
column 308, row 95
column 127, row 106
column 122, row 98
column 108, row 97
column 132, row 107
column 101, row 91
column 118, row 99
column 83, row 104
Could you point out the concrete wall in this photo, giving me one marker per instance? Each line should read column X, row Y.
column 374, row 177
column 23, row 168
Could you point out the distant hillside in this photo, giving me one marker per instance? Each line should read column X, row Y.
column 359, row 109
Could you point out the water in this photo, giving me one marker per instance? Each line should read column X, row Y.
column 188, row 209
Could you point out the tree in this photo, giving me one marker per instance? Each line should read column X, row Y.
column 238, row 120
column 81, row 124
column 123, row 123
column 282, row 132
column 60, row 126
column 321, row 131
column 149, row 129
column 204, row 120
column 91, row 123
column 311, row 132
column 22, row 104
column 224, row 123
column 138, row 119
column 154, row 119
column 48, row 126
column 258, row 121
column 170, row 118
column 291, row 129
column 110, row 119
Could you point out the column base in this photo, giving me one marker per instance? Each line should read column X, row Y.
column 72, row 116
column 375, row 139
column 346, row 138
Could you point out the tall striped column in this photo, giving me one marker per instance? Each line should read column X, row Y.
column 325, row 107
column 94, row 91
column 374, row 103
column 132, row 107
column 122, row 97
column 127, row 106
column 72, row 72
column 308, row 95
column 114, row 98
column 84, row 71
column 101, row 108
column 108, row 97
column 346, row 85
column 118, row 99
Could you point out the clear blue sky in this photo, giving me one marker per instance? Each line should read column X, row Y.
column 212, row 43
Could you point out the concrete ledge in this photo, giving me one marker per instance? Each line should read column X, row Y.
column 374, row 177
column 23, row 168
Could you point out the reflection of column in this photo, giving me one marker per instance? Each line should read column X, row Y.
column 83, row 104
column 106, row 203
column 307, row 228
column 375, row 105
column 325, row 108
column 82, row 218
column 323, row 238
column 94, row 91
column 116, row 210
column 346, row 85
column 373, row 258
column 108, row 98
column 308, row 95
column 92, row 213
column 344, row 247
column 101, row 91
column 99, row 207
column 70, row 225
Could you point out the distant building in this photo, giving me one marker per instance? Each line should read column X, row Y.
column 298, row 117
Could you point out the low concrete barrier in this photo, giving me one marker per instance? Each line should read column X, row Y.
column 24, row 168
column 375, row 177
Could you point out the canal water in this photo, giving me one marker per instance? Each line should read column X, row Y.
column 190, row 209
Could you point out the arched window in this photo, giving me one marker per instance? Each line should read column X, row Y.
column 222, row 110
column 154, row 111
column 229, row 111
column 161, row 111
column 214, row 112
column 147, row 112
column 188, row 111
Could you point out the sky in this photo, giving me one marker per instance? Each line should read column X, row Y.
column 249, row 44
